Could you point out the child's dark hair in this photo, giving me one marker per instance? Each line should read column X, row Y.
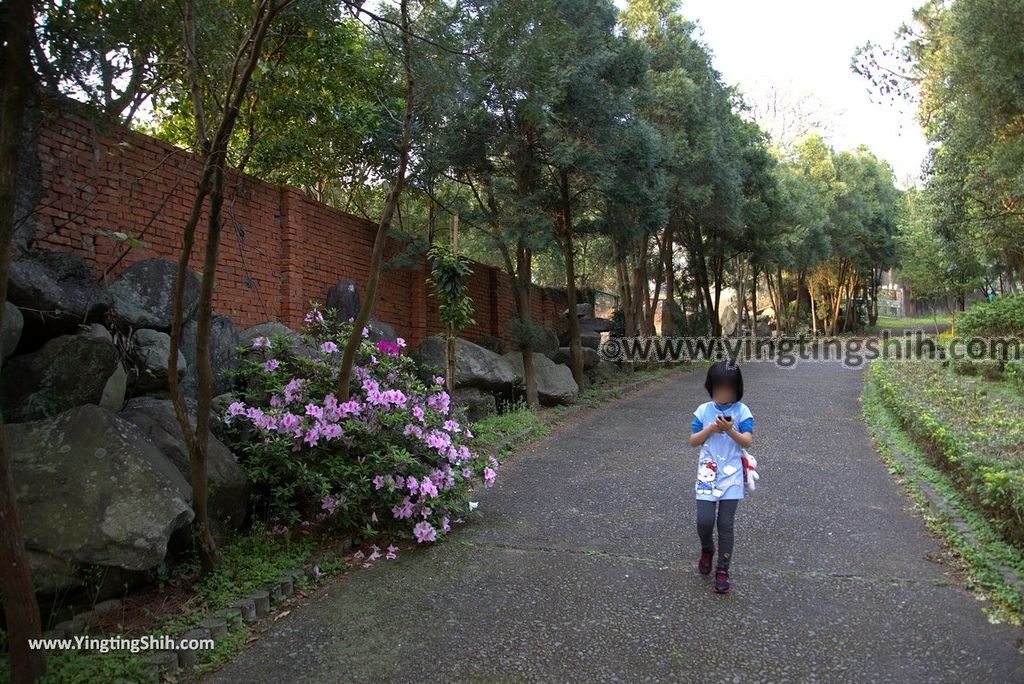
column 725, row 373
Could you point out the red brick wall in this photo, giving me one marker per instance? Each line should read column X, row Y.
column 280, row 249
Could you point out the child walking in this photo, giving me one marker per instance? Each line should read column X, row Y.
column 722, row 428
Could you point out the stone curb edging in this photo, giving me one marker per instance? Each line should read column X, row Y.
column 939, row 503
column 216, row 625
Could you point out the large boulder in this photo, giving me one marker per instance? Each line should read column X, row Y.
column 143, row 297
column 151, row 352
column 114, row 391
column 588, row 339
column 68, row 371
column 545, row 341
column 591, row 357
column 477, row 403
column 344, row 300
column 228, row 485
column 601, row 373
column 224, row 341
column 555, row 384
column 91, row 490
column 57, row 288
column 379, row 330
column 474, row 365
column 10, row 332
column 591, row 324
column 272, row 330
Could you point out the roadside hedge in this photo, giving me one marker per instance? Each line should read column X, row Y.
column 976, row 439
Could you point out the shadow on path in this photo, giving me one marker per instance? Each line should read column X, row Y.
column 582, row 566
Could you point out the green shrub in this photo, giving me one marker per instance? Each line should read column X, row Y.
column 965, row 367
column 975, row 439
column 1002, row 317
column 1014, row 373
column 388, row 460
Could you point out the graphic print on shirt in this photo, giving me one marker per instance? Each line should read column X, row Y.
column 706, row 474
column 720, row 465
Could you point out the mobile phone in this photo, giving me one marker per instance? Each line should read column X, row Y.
column 727, row 419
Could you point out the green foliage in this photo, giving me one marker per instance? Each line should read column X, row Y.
column 977, row 439
column 1002, row 317
column 389, row 461
column 1014, row 372
column 960, row 61
column 982, row 552
column 449, row 273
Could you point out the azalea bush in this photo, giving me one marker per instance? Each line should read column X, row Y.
column 391, row 459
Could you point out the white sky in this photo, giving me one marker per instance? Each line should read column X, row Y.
column 804, row 47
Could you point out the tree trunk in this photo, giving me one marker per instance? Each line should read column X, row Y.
column 211, row 184
column 380, row 241
column 753, row 303
column 21, row 612
column 622, row 281
column 667, row 324
column 523, row 280
column 575, row 347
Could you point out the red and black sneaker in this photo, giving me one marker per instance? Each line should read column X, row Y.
column 704, row 564
column 722, row 581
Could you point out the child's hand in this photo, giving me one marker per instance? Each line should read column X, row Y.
column 721, row 424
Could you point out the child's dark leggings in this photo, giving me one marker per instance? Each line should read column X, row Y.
column 725, row 511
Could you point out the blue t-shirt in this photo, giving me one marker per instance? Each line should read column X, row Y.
column 720, row 464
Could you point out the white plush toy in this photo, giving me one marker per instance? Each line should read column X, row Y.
column 750, row 476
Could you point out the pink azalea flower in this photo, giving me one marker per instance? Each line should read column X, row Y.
column 451, row 426
column 293, row 391
column 359, row 555
column 467, row 473
column 329, row 347
column 314, row 411
column 373, row 517
column 400, row 342
column 289, row 423
column 236, row 409
column 366, row 332
column 261, row 343
column 271, row 365
column 275, row 401
column 404, row 511
column 489, row 476
column 314, row 317
column 417, row 413
column 392, row 552
column 424, row 531
column 439, row 380
column 428, row 488
column 378, row 482
column 330, row 430
column 387, row 347
column 412, row 484
column 445, row 525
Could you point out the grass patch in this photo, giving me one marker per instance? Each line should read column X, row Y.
column 496, row 429
column 981, row 555
column 886, row 323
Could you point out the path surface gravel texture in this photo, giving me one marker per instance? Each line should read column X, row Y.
column 582, row 567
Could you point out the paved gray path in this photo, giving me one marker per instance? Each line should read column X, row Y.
column 582, row 567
